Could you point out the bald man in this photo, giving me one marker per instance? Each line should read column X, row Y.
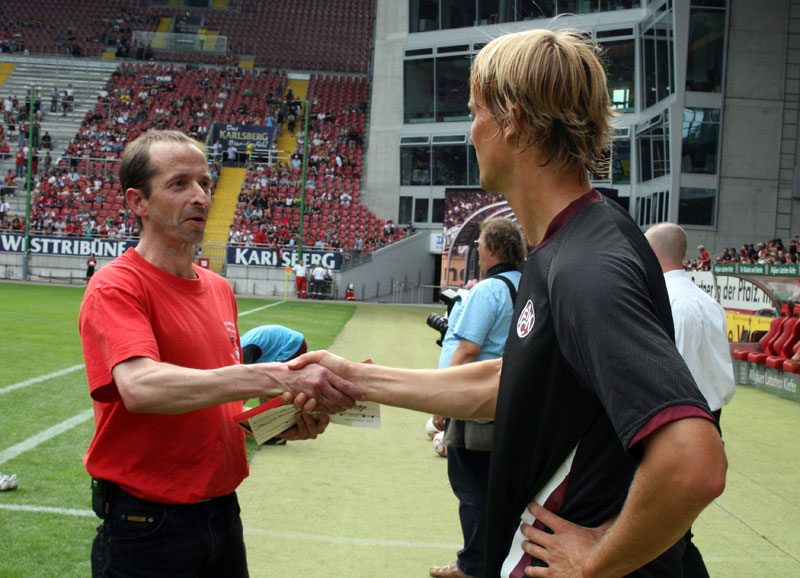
column 700, row 322
column 701, row 337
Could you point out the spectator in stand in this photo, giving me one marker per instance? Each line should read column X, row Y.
column 705, row 260
column 47, row 140
column 4, row 207
column 233, row 235
column 233, row 153
column 20, row 163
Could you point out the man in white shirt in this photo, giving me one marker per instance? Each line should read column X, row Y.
column 701, row 337
column 700, row 322
column 300, row 273
column 318, row 283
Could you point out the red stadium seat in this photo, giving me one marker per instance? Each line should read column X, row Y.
column 765, row 343
column 784, row 344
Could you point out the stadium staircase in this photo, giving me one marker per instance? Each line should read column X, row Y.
column 287, row 142
column 6, row 68
column 87, row 78
column 220, row 217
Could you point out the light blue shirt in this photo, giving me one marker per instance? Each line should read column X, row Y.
column 484, row 317
column 276, row 342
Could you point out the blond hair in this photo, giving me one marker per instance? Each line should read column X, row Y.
column 556, row 80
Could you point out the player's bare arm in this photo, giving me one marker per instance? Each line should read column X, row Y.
column 682, row 471
column 148, row 386
column 463, row 392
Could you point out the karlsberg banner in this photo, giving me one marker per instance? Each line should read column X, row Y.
column 269, row 257
column 68, row 246
column 110, row 248
column 239, row 135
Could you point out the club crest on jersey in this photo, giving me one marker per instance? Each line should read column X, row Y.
column 526, row 320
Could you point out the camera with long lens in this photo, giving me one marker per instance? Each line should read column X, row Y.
column 449, row 297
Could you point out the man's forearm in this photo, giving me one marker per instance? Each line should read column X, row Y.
column 682, row 472
column 147, row 386
column 463, row 392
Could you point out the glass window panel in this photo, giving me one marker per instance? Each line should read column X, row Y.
column 706, row 44
column 645, row 160
column 710, row 3
column 437, row 214
column 423, row 15
column 452, row 88
column 420, row 210
column 449, row 165
column 617, row 4
column 474, row 177
column 404, row 212
column 653, row 149
column 700, row 140
column 697, row 206
column 418, row 91
column 664, row 71
column 534, row 10
column 458, row 13
column 488, row 12
column 649, row 68
column 621, row 162
column 619, row 57
column 415, row 165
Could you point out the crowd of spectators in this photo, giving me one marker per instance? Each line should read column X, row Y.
column 76, row 190
column 772, row 252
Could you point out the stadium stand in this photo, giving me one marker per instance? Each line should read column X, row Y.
column 76, row 190
column 267, row 32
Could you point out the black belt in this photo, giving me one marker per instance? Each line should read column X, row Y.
column 103, row 493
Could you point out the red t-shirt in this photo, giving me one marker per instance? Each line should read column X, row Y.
column 133, row 309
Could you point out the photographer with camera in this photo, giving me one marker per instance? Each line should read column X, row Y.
column 476, row 329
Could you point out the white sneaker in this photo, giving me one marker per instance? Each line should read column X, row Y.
column 8, row 483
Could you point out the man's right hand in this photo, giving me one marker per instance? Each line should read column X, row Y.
column 325, row 390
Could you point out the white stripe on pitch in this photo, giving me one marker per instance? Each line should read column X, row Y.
column 39, row 379
column 47, row 510
column 243, row 313
column 74, row 368
column 45, row 435
column 350, row 541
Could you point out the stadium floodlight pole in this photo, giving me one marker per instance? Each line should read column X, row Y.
column 28, row 182
column 306, row 105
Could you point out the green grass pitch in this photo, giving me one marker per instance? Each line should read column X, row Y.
column 353, row 503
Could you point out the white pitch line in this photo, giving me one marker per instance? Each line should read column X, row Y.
column 74, row 368
column 41, row 378
column 45, row 435
column 350, row 541
column 243, row 313
column 261, row 531
column 48, row 510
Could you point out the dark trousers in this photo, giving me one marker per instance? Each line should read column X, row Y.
column 468, row 471
column 139, row 538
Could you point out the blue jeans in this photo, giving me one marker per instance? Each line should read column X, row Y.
column 139, row 538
